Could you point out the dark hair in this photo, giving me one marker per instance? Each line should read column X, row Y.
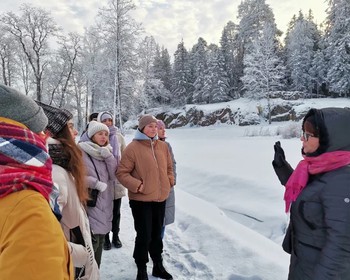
column 314, row 123
column 311, row 126
column 93, row 116
column 75, row 162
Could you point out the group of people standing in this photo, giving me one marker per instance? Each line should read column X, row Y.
column 50, row 229
column 60, row 199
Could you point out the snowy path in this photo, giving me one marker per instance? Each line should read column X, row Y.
column 200, row 247
column 228, row 223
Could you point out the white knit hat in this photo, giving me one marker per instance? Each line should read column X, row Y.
column 95, row 127
column 104, row 115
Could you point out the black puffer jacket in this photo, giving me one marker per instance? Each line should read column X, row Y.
column 320, row 217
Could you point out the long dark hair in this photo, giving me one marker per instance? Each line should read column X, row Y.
column 75, row 162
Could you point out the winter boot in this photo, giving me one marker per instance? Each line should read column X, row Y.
column 160, row 272
column 116, row 242
column 142, row 273
column 107, row 245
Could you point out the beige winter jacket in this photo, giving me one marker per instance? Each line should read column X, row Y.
column 148, row 162
column 74, row 215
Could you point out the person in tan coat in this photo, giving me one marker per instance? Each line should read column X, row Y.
column 146, row 170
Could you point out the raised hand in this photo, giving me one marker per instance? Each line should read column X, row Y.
column 279, row 157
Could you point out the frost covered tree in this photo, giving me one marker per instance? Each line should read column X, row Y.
column 263, row 69
column 92, row 67
column 253, row 16
column 199, row 66
column 58, row 83
column 8, row 59
column 32, row 30
column 301, row 44
column 216, row 83
column 120, row 34
column 146, row 53
column 156, row 73
column 229, row 49
column 181, row 73
column 318, row 72
column 162, row 67
column 338, row 47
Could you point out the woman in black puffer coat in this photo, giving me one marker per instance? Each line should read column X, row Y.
column 318, row 197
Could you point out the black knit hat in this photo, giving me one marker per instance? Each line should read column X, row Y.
column 58, row 117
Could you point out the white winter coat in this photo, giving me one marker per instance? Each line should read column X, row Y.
column 74, row 215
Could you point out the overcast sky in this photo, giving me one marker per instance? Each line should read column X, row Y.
column 170, row 21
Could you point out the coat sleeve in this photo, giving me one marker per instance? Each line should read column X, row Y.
column 37, row 247
column 126, row 166
column 60, row 180
column 79, row 254
column 174, row 161
column 111, row 163
column 335, row 254
column 121, row 142
column 170, row 169
column 283, row 172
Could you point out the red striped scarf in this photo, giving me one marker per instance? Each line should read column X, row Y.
column 24, row 161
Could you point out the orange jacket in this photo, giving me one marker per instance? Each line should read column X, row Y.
column 148, row 162
column 32, row 243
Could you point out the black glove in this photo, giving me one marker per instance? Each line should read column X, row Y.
column 279, row 158
column 280, row 165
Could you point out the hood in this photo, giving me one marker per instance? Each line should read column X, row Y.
column 333, row 125
column 141, row 136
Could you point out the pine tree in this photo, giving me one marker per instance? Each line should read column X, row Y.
column 338, row 47
column 263, row 72
column 180, row 77
column 216, row 86
column 253, row 16
column 229, row 49
column 301, row 44
column 199, row 64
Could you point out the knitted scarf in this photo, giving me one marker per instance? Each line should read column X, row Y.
column 24, row 161
column 312, row 165
column 58, row 156
column 93, row 149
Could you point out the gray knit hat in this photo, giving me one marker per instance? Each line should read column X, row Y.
column 95, row 127
column 58, row 117
column 145, row 120
column 21, row 108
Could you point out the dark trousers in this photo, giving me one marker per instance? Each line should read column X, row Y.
column 116, row 219
column 116, row 216
column 97, row 243
column 148, row 222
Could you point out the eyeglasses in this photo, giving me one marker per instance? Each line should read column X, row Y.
column 306, row 135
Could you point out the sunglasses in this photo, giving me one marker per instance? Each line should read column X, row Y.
column 306, row 135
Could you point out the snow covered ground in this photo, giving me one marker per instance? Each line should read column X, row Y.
column 230, row 216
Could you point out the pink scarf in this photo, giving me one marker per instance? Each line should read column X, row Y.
column 312, row 165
